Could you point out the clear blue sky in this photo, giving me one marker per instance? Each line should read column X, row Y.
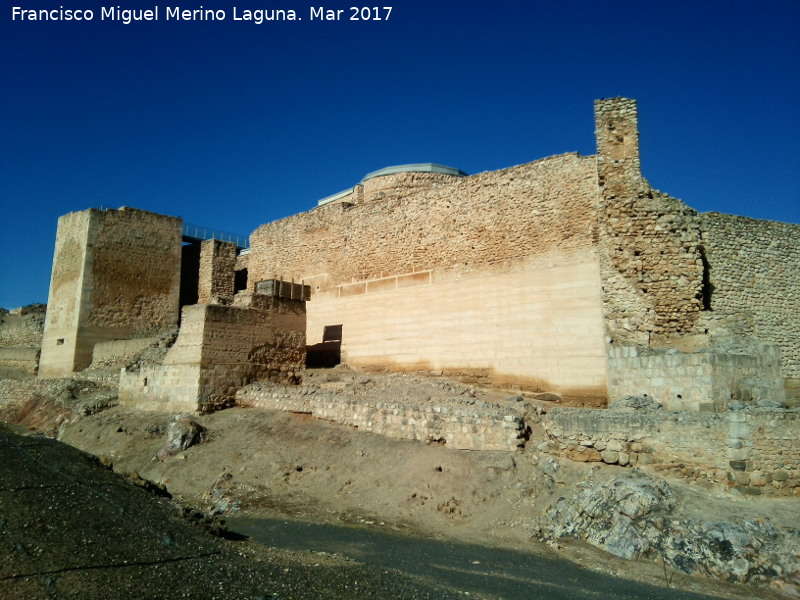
column 232, row 124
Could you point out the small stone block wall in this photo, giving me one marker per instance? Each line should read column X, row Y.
column 703, row 380
column 283, row 289
column 463, row 428
column 756, row 451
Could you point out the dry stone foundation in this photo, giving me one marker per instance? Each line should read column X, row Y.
column 463, row 426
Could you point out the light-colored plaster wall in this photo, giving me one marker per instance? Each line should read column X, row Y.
column 531, row 326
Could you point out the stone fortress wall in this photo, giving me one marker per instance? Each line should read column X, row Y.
column 668, row 328
column 569, row 274
column 754, row 276
column 116, row 275
column 495, row 274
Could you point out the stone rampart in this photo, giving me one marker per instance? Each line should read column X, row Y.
column 470, row 224
column 463, row 427
column 756, row 451
column 22, row 328
column 754, row 274
column 652, row 260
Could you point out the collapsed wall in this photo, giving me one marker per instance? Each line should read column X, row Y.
column 493, row 276
column 116, row 275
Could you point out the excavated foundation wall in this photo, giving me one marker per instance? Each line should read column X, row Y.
column 756, row 451
column 459, row 427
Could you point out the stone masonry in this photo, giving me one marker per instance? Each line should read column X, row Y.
column 217, row 272
column 220, row 349
column 568, row 274
column 116, row 275
column 754, row 279
column 752, row 449
column 21, row 332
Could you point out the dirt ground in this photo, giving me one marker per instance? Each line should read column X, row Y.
column 267, row 463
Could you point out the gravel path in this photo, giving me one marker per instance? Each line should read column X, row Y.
column 71, row 529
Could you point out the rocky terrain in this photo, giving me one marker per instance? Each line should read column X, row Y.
column 642, row 523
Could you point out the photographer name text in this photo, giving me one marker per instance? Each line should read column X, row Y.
column 257, row 16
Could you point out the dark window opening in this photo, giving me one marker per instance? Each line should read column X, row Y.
column 708, row 287
column 328, row 353
column 240, row 280
column 332, row 333
column 190, row 273
column 60, row 342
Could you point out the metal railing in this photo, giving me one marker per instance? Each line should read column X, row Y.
column 198, row 232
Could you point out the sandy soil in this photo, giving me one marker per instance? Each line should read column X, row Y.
column 261, row 462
